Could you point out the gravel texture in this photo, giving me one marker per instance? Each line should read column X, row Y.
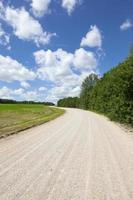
column 79, row 156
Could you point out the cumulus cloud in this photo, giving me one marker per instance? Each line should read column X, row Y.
column 42, row 89
column 5, row 93
column 12, row 70
column 4, row 37
column 126, row 25
column 25, row 84
column 24, row 26
column 93, row 38
column 84, row 59
column 30, row 96
column 70, row 5
column 8, row 93
column 19, row 94
column 54, row 65
column 40, row 7
column 64, row 71
column 60, row 67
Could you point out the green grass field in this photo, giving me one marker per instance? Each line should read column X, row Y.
column 17, row 117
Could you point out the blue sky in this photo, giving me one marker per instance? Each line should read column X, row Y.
column 48, row 47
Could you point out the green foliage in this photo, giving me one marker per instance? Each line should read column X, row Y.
column 111, row 95
column 86, row 89
column 71, row 102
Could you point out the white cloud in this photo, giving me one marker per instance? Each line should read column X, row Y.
column 11, row 70
column 4, row 37
column 53, row 65
column 1, row 9
column 5, row 93
column 69, row 86
column 25, row 84
column 41, row 89
column 40, row 7
column 84, row 59
column 24, row 26
column 93, row 38
column 126, row 25
column 30, row 96
column 70, row 5
column 19, row 94
column 59, row 68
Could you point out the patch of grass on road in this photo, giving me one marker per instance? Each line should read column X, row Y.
column 17, row 117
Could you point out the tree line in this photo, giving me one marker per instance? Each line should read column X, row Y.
column 111, row 94
column 71, row 102
column 10, row 101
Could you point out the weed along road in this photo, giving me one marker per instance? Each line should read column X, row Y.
column 78, row 156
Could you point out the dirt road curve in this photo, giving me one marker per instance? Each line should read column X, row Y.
column 79, row 156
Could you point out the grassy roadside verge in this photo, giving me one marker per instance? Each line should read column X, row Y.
column 17, row 117
column 125, row 126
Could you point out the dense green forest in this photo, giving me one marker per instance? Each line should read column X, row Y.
column 111, row 95
column 71, row 102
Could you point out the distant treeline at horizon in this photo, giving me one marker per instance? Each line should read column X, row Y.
column 10, row 101
column 111, row 95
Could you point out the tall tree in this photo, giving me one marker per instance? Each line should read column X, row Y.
column 86, row 90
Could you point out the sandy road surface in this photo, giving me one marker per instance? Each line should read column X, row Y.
column 79, row 156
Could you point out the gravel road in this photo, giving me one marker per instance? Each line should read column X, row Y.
column 79, row 156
